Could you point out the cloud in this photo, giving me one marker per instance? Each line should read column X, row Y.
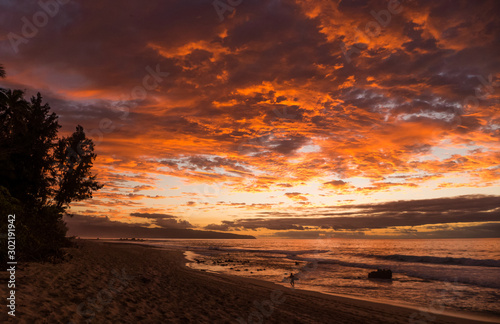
column 152, row 215
column 484, row 230
column 279, row 93
column 296, row 196
column 335, row 184
column 268, row 98
column 142, row 187
column 164, row 220
column 462, row 209
column 224, row 226
column 92, row 226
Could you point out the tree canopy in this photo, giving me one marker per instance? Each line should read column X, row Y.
column 40, row 173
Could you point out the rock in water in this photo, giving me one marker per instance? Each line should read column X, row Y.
column 380, row 274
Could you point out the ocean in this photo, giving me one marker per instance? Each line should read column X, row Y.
column 442, row 274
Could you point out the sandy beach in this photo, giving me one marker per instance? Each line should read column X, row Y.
column 123, row 283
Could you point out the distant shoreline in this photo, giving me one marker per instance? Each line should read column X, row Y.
column 130, row 282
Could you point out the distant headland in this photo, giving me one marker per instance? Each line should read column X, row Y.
column 142, row 232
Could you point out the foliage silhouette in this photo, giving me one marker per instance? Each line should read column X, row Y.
column 40, row 174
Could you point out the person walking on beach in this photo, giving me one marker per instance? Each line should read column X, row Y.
column 292, row 280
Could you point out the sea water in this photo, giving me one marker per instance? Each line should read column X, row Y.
column 446, row 274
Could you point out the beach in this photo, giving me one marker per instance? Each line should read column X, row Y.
column 103, row 282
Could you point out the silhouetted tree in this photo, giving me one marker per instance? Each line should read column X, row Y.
column 28, row 135
column 40, row 174
column 74, row 156
column 2, row 71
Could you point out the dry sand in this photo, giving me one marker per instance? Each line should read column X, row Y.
column 123, row 283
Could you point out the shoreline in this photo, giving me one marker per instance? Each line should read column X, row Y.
column 366, row 301
column 476, row 317
column 130, row 282
column 446, row 313
column 454, row 316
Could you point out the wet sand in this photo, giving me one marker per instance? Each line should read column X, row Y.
column 124, row 283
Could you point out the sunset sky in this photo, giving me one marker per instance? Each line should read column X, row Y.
column 274, row 118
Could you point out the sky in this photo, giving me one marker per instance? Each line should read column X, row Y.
column 298, row 119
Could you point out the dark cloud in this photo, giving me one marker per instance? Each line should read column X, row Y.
column 461, row 204
column 463, row 209
column 296, row 196
column 142, row 187
column 335, row 183
column 289, row 145
column 164, row 220
column 224, row 226
column 153, row 215
column 205, row 163
column 484, row 230
column 92, row 226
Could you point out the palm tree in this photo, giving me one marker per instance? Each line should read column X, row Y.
column 14, row 98
column 2, row 71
